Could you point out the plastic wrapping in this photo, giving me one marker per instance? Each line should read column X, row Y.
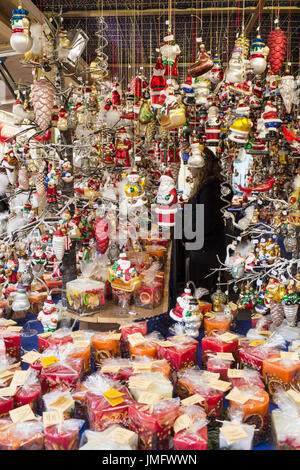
column 85, row 296
column 148, row 348
column 27, row 435
column 29, row 393
column 255, row 411
column 60, row 400
column 149, row 294
column 183, row 353
column 250, row 378
column 236, row 417
column 136, row 327
column 12, row 342
column 63, row 373
column 113, row 438
column 102, row 410
column 194, row 435
column 278, row 372
column 122, row 369
column 216, row 321
column 285, row 422
column 218, row 366
column 253, row 355
column 214, row 344
column 7, row 362
column 157, row 383
column 104, row 346
column 58, row 337
column 194, row 381
column 63, row 436
column 153, row 423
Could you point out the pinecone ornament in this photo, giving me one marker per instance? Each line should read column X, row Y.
column 277, row 313
column 42, row 96
column 277, row 42
column 150, row 131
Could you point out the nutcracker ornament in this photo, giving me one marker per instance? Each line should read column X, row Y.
column 48, row 316
column 216, row 72
column 166, row 200
column 21, row 40
column 51, row 190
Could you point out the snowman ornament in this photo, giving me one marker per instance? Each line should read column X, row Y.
column 48, row 316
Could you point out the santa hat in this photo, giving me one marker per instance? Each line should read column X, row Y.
column 168, row 38
column 123, row 257
column 49, row 304
column 158, row 68
column 168, row 174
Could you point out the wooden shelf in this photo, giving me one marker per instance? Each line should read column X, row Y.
column 112, row 314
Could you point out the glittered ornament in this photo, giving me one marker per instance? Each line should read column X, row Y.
column 277, row 42
column 42, row 95
column 40, row 183
column 101, row 232
column 146, row 113
column 277, row 313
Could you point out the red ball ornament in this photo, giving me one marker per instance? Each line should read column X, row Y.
column 277, row 42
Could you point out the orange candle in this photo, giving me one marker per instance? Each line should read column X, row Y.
column 104, row 347
column 85, row 354
column 255, row 412
column 161, row 366
column 216, row 321
column 148, row 349
column 280, row 373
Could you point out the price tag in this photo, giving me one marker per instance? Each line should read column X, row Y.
column 136, row 339
column 3, row 373
column 289, row 355
column 81, row 344
column 228, row 337
column 121, row 435
column 142, row 366
column 7, row 391
column 52, row 417
column 78, row 334
column 113, row 337
column 256, row 316
column 15, row 329
column 114, row 397
column 214, row 375
column 220, row 385
column 165, row 344
column 8, row 323
column 31, row 357
column 149, row 398
column 45, row 335
column 182, row 422
column 235, row 373
column 264, row 332
column 192, row 400
column 23, row 413
column 227, row 356
column 62, row 403
column 237, row 396
column 111, row 369
column 233, row 433
column 48, row 361
column 209, row 315
column 19, row 378
column 179, row 337
column 256, row 342
column 127, row 325
column 139, row 383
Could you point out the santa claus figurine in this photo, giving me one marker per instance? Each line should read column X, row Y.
column 115, row 95
column 38, row 256
column 170, row 51
column 166, row 200
column 182, row 305
column 48, row 315
column 123, row 146
column 157, row 83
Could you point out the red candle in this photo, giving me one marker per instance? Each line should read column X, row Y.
column 138, row 327
column 103, row 413
column 37, row 365
column 29, row 394
column 153, row 427
column 251, row 378
column 182, row 355
column 253, row 356
column 55, row 339
column 6, row 404
column 218, row 366
column 195, row 436
column 214, row 343
column 12, row 342
column 61, row 375
column 61, row 439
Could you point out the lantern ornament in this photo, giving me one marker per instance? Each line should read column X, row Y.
column 21, row 40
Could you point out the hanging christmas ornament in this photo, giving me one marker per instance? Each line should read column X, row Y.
column 157, row 83
column 243, row 43
column 166, row 200
column 277, row 43
column 203, row 64
column 258, row 55
column 287, row 89
column 62, row 123
column 101, row 228
column 216, row 73
column 23, row 178
column 20, row 40
column 59, row 244
column 146, row 113
column 277, row 313
column 40, row 183
column 42, row 96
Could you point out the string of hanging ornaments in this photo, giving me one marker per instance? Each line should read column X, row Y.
column 103, row 160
